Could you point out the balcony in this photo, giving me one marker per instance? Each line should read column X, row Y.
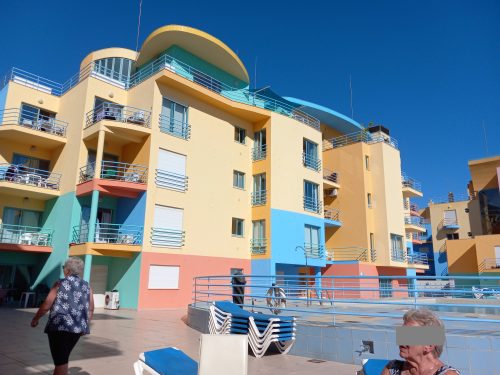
column 312, row 204
column 116, row 179
column 176, row 128
column 414, row 224
column 450, row 223
column 29, row 182
column 330, row 179
column 398, row 255
column 489, row 265
column 357, row 137
column 258, row 246
column 162, row 237
column 32, row 128
column 172, row 181
column 259, row 198
column 115, row 112
column 311, row 162
column 259, row 152
column 347, row 254
column 411, row 187
column 418, row 259
column 332, row 217
column 314, row 251
column 25, row 238
column 416, row 237
column 109, row 234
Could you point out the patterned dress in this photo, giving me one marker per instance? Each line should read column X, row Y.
column 70, row 310
column 396, row 367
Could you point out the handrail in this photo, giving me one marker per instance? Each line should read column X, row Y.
column 25, row 235
column 447, row 222
column 411, row 183
column 259, row 152
column 310, row 161
column 330, row 175
column 170, row 180
column 332, row 214
column 177, row 128
column 164, row 237
column 399, row 255
column 21, row 174
column 415, row 220
column 418, row 258
column 258, row 246
column 489, row 264
column 312, row 204
column 120, row 113
column 347, row 253
column 113, row 170
column 33, row 120
column 313, row 250
column 109, row 233
column 259, row 198
column 356, row 137
column 452, row 198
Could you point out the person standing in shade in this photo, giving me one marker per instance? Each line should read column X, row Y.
column 238, row 282
column 71, row 306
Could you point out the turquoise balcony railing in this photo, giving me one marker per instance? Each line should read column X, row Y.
column 33, row 120
column 311, row 161
column 119, row 113
column 258, row 246
column 21, row 174
column 164, row 237
column 314, row 250
column 259, row 198
column 109, row 233
column 25, row 235
column 259, row 152
column 172, row 181
column 312, row 204
column 113, row 170
column 177, row 128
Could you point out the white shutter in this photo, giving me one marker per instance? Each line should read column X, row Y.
column 163, row 277
column 172, row 162
column 168, row 217
column 450, row 215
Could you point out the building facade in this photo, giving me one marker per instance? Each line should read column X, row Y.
column 161, row 165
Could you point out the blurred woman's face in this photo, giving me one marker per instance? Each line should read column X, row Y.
column 411, row 351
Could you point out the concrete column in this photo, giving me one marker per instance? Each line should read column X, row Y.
column 93, row 216
column 99, row 152
column 87, row 268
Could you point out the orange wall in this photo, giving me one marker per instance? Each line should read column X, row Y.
column 190, row 267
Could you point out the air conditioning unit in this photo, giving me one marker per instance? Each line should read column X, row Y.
column 112, row 300
column 332, row 192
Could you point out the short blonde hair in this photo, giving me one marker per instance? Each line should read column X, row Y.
column 425, row 318
column 74, row 265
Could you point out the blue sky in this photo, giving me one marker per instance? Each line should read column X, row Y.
column 428, row 70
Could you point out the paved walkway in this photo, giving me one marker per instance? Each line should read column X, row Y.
column 117, row 339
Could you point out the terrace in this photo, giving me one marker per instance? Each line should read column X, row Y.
column 108, row 233
column 25, row 238
column 115, row 112
column 19, row 179
column 414, row 224
column 357, row 137
column 411, row 187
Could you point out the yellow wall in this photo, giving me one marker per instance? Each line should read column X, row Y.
column 466, row 256
column 484, row 173
column 20, row 202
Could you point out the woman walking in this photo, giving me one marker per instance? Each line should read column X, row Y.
column 71, row 306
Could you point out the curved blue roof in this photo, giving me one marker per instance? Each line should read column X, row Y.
column 327, row 116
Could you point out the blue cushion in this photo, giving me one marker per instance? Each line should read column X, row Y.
column 171, row 361
column 374, row 366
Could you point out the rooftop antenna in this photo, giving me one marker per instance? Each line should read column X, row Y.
column 485, row 139
column 350, row 90
column 138, row 26
column 255, row 74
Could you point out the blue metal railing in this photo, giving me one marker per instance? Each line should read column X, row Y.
column 313, row 250
column 311, row 297
column 259, row 198
column 25, row 235
column 171, row 180
column 332, row 214
column 398, row 255
column 418, row 258
column 33, row 120
column 258, row 246
column 415, row 220
column 356, row 137
column 177, row 128
column 163, row 237
column 259, row 152
column 21, row 174
column 116, row 112
column 312, row 204
column 411, row 183
column 113, row 170
column 109, row 233
column 311, row 161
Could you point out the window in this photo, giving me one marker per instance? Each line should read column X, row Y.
column 238, row 179
column 237, row 227
column 311, row 197
column 311, row 241
column 450, row 217
column 452, row 236
column 173, row 119
column 30, row 162
column 260, row 145
column 367, row 162
column 397, row 249
column 167, row 226
column 240, row 135
column 369, row 200
column 372, row 241
column 31, row 115
column 259, row 196
column 258, row 229
column 310, row 155
column 116, row 68
column 163, row 277
column 171, row 172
